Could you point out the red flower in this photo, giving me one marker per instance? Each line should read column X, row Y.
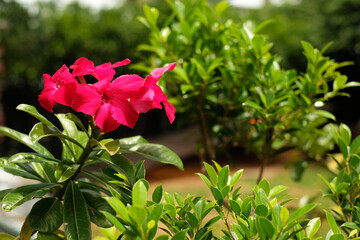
column 105, row 71
column 108, row 102
column 151, row 96
column 59, row 88
column 111, row 103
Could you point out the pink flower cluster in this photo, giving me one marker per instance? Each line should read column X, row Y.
column 110, row 102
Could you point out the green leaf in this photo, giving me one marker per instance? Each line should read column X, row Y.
column 157, row 194
column 139, row 194
column 312, row 227
column 132, row 140
column 223, row 177
column 25, row 193
column 253, row 105
column 301, row 211
column 309, row 50
column 119, row 207
column 355, row 145
column 325, row 114
column 265, row 185
column 96, row 204
column 77, row 121
column 337, row 236
column 76, row 218
column 32, row 111
column 26, row 140
column 180, row 235
column 5, row 236
column 65, row 170
column 41, row 130
column 155, row 152
column 267, row 227
column 110, row 145
column 261, row 210
column 332, row 222
column 235, row 177
column 221, row 7
column 32, row 157
column 345, row 133
column 50, row 236
column 284, row 215
column 46, row 215
column 258, row 42
column 212, row 173
column 114, row 220
column 205, row 179
column 277, row 189
column 217, row 195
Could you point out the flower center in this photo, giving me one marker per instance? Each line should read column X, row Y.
column 104, row 98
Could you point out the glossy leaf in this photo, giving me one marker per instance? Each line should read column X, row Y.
column 157, row 194
column 301, row 211
column 32, row 111
column 46, row 215
column 155, row 152
column 26, row 140
column 96, row 205
column 139, row 194
column 76, row 218
column 25, row 193
column 312, row 227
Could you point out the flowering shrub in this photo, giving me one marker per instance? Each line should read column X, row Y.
column 65, row 198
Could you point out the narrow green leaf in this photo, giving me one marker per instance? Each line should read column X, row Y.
column 253, row 105
column 332, row 222
column 32, row 111
column 26, row 140
column 221, row 7
column 46, row 215
column 355, row 145
column 25, row 193
column 119, row 207
column 345, row 133
column 301, row 211
column 235, row 177
column 32, row 157
column 205, row 179
column 96, row 204
column 325, row 114
column 76, row 218
column 211, row 172
column 312, row 227
column 155, row 152
column 223, row 177
column 114, row 220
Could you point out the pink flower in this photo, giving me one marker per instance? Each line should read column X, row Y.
column 108, row 102
column 59, row 88
column 105, row 71
column 151, row 96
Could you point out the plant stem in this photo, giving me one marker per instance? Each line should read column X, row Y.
column 209, row 152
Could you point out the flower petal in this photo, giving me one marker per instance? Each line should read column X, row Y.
column 123, row 112
column 86, row 100
column 158, row 72
column 126, row 86
column 104, row 120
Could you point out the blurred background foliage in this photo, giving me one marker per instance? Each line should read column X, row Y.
column 318, row 22
column 39, row 39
